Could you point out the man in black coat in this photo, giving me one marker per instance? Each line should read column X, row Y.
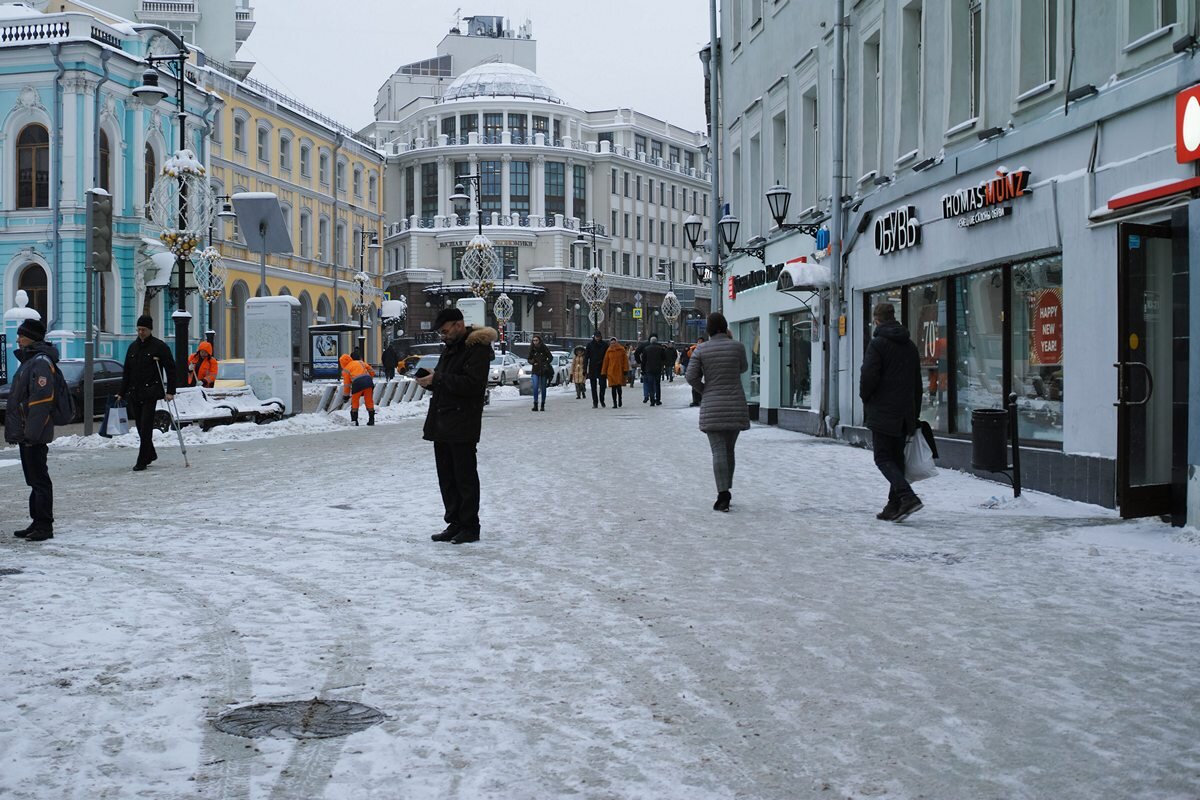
column 455, row 420
column 652, row 361
column 389, row 362
column 890, row 388
column 672, row 356
column 28, row 423
column 142, row 385
column 593, row 367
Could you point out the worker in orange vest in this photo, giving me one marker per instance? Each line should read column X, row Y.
column 202, row 367
column 358, row 381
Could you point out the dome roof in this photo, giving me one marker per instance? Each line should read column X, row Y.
column 500, row 80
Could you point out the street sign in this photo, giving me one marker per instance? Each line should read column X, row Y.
column 686, row 296
column 637, row 313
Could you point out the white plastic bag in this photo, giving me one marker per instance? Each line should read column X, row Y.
column 116, row 421
column 918, row 459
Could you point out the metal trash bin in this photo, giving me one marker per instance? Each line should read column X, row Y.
column 753, row 408
column 989, row 439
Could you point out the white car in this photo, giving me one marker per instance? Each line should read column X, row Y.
column 505, row 369
column 562, row 367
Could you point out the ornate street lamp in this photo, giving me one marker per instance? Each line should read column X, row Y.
column 480, row 263
column 595, row 292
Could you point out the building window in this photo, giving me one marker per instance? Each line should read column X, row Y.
column 779, row 148
column 911, row 59
column 339, row 243
column 516, row 128
column 639, row 143
column 33, row 280
column 613, row 227
column 966, row 39
column 795, row 341
column 747, row 334
column 624, row 263
column 638, row 228
column 33, row 168
column 1037, row 352
column 625, row 229
column 541, row 125
column 508, row 262
column 614, row 181
column 556, row 187
column 493, row 125
column 1147, row 16
column 285, row 153
column 358, row 181
column 1039, row 43
column 468, row 123
column 323, row 168
column 689, row 160
column 809, row 148
column 323, row 239
column 626, row 177
column 429, row 190
column 150, row 173
column 637, row 188
column 448, row 127
column 927, row 327
column 491, row 186
column 239, row 134
column 306, row 161
column 264, row 144
column 105, row 166
column 340, row 175
column 373, row 189
column 656, row 149
column 518, row 188
column 305, row 235
column 410, row 192
column 872, row 105
column 579, row 188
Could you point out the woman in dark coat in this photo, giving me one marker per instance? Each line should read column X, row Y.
column 541, row 370
column 715, row 371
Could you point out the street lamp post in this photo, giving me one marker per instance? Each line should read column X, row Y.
column 592, row 228
column 481, row 261
column 150, row 93
column 366, row 239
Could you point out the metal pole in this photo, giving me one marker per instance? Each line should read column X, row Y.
column 714, row 139
column 181, row 316
column 836, row 218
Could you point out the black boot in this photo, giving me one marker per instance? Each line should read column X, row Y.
column 39, row 533
column 370, row 416
column 449, row 533
column 354, row 417
column 21, row 534
column 722, row 503
column 543, row 408
column 535, row 405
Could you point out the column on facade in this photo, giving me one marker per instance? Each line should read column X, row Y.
column 529, row 127
column 505, row 185
column 569, row 189
column 443, row 177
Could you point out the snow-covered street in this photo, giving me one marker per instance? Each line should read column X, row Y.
column 610, row 637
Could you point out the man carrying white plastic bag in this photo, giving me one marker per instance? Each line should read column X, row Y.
column 890, row 388
column 116, row 420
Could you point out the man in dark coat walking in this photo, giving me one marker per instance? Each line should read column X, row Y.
column 143, row 384
column 652, row 361
column 29, row 425
column 455, row 420
column 890, row 388
column 593, row 366
column 389, row 361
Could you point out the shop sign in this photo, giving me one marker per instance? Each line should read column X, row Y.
column 498, row 243
column 1187, row 125
column 986, row 201
column 1047, row 340
column 897, row 230
column 754, row 279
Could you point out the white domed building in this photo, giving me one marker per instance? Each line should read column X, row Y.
column 558, row 190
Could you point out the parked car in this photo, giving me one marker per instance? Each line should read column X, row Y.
column 231, row 373
column 106, row 383
column 562, row 367
column 505, row 369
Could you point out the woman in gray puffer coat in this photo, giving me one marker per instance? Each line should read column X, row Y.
column 715, row 371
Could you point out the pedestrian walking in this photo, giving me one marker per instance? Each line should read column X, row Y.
column 455, row 419
column 358, row 383
column 890, row 387
column 28, row 424
column 715, row 372
column 615, row 362
column 635, row 365
column 202, row 367
column 671, row 357
column 578, row 373
column 690, row 352
column 541, row 370
column 389, row 361
column 593, row 363
column 143, row 384
column 653, row 360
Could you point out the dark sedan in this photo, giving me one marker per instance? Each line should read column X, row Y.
column 107, row 383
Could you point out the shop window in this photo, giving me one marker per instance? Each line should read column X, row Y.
column 927, row 327
column 748, row 336
column 979, row 344
column 1037, row 326
column 795, row 336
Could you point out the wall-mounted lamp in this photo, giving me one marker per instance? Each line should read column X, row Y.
column 921, row 166
column 1080, row 92
column 990, row 133
column 882, row 180
column 1184, row 44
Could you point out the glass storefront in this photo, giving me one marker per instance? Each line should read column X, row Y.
column 983, row 336
column 796, row 337
column 748, row 335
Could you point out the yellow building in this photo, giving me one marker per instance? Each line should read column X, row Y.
column 330, row 187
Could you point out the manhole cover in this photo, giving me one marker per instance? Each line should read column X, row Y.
column 937, row 558
column 299, row 719
column 10, row 571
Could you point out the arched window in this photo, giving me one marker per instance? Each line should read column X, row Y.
column 33, row 280
column 105, row 163
column 33, row 167
column 151, row 169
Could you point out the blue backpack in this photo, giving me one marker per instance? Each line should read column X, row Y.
column 62, row 412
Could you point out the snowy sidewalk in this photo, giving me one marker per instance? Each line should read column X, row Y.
column 610, row 637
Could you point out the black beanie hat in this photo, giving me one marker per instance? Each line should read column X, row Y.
column 450, row 314
column 145, row 321
column 33, row 329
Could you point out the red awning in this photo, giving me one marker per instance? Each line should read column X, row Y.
column 1151, row 193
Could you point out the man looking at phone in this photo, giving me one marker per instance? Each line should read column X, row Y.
column 455, row 419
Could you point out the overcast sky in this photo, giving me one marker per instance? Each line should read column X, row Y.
column 640, row 54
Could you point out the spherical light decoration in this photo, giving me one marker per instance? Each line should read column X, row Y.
column 210, row 273
column 670, row 307
column 596, row 315
column 503, row 308
column 182, row 203
column 595, row 287
column 480, row 262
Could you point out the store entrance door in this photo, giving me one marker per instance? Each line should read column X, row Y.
column 1145, row 374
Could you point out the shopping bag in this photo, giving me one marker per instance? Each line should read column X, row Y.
column 918, row 459
column 116, row 420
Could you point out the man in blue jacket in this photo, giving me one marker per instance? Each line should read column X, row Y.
column 28, row 424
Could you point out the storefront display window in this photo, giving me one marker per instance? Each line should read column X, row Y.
column 979, row 344
column 747, row 334
column 1037, row 325
column 927, row 326
column 795, row 332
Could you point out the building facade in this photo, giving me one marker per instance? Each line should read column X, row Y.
column 560, row 190
column 1013, row 186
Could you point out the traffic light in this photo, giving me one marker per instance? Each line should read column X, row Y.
column 99, row 230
